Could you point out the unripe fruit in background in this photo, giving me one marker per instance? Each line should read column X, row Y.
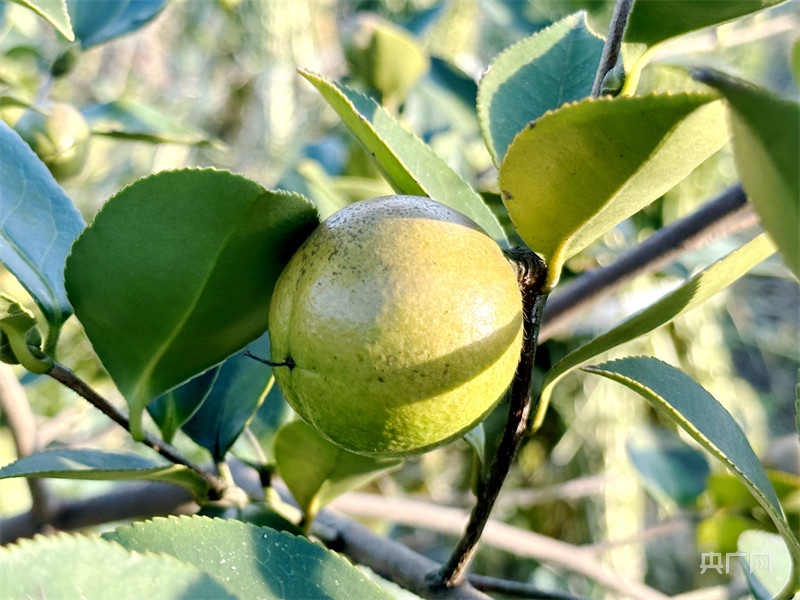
column 59, row 136
column 400, row 322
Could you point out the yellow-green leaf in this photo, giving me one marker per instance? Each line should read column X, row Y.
column 580, row 170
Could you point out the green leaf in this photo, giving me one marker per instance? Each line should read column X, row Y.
column 317, row 471
column 766, row 147
column 654, row 21
column 38, row 224
column 767, row 564
column 552, row 67
column 580, row 170
column 386, row 57
column 672, row 471
column 20, row 339
column 706, row 420
column 69, row 566
column 236, row 393
column 250, row 561
column 97, row 22
column 54, row 12
column 130, row 120
column 797, row 404
column 176, row 273
column 408, row 164
column 688, row 295
column 176, row 407
column 102, row 465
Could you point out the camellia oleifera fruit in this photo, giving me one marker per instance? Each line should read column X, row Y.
column 399, row 322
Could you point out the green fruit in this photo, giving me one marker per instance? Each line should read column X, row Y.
column 60, row 137
column 400, row 322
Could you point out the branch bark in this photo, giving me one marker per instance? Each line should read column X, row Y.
column 726, row 214
column 610, row 55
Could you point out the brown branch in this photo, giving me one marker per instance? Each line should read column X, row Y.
column 66, row 377
column 531, row 274
column 19, row 417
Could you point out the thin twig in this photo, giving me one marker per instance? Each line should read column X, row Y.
column 14, row 403
column 65, row 376
column 531, row 275
column 727, row 213
column 610, row 55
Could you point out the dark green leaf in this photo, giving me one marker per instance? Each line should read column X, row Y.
column 317, row 471
column 690, row 294
column 236, row 393
column 550, row 68
column 102, row 465
column 584, row 168
column 54, row 12
column 250, row 561
column 68, row 566
column 39, row 224
column 409, row 165
column 176, row 407
column 766, row 146
column 672, row 471
column 97, row 22
column 706, row 420
column 176, row 273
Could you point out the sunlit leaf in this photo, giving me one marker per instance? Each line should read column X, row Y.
column 408, row 164
column 766, row 146
column 552, row 67
column 697, row 412
column 580, row 170
column 250, row 561
column 176, row 273
column 317, row 471
column 20, row 339
column 54, row 12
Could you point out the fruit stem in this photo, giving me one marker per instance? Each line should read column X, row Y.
column 531, row 275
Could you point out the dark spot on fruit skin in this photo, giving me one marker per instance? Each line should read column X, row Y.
column 506, row 195
column 381, row 380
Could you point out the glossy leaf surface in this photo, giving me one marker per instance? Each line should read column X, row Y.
column 699, row 414
column 584, row 168
column 409, row 165
column 176, row 273
column 250, row 561
column 38, row 224
column 552, row 67
column 66, row 566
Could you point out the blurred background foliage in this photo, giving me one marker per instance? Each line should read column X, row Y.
column 214, row 83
